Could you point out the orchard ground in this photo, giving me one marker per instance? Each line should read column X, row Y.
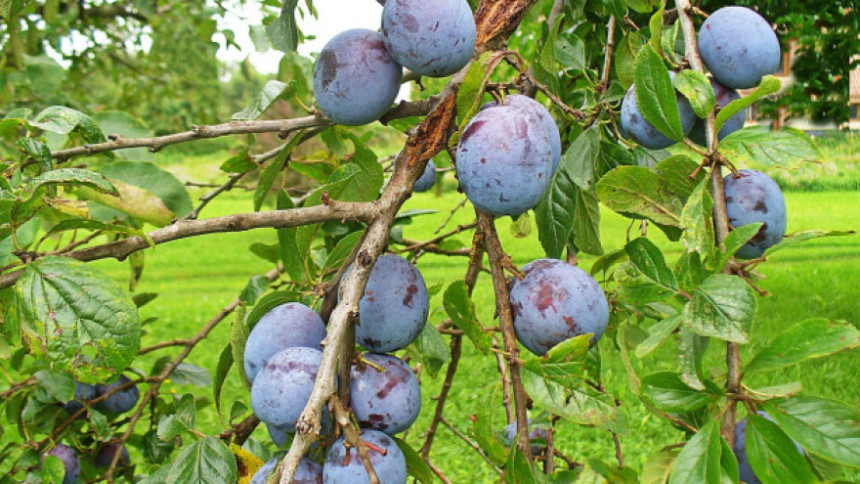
column 196, row 277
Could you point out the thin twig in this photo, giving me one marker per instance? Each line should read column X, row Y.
column 471, row 444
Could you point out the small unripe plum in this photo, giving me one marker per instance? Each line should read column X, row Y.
column 739, row 47
column 427, row 179
column 394, row 308
column 429, row 38
column 355, row 78
column 554, row 302
column 539, row 434
column 753, row 197
column 106, row 453
column 288, row 325
column 71, row 462
column 283, row 386
column 539, row 112
column 121, row 401
column 343, row 465
column 636, row 127
column 724, row 96
column 504, row 160
column 308, row 472
column 388, row 400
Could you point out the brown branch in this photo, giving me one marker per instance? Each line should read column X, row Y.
column 416, row 245
column 507, row 398
column 353, row 438
column 16, row 387
column 240, row 432
column 607, row 57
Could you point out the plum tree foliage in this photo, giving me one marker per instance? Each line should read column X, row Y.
column 544, row 110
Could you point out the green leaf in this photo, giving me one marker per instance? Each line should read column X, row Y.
column 73, row 177
column 78, row 318
column 584, row 406
column 769, row 85
column 625, row 57
column 283, row 32
column 53, row 470
column 675, row 175
column 640, row 192
column 548, row 53
column 241, row 162
column 238, row 337
column 153, row 179
column 728, row 463
column 461, row 310
column 206, row 461
column 225, row 362
column 120, row 123
column 255, row 288
column 696, row 87
column 612, row 473
column 656, row 26
column 825, row 427
column 415, row 465
column 570, row 53
column 655, row 94
column 341, row 251
column 471, row 90
column 267, row 177
column 579, row 160
column 759, row 145
column 485, row 437
column 586, row 223
column 555, row 213
column 657, row 334
column 691, row 355
column 271, row 92
column 736, row 239
column 697, row 220
column 288, row 250
column 722, row 307
column 564, row 363
column 59, row 385
column 648, row 258
column 188, row 374
column 666, row 391
column 518, row 469
column 183, row 420
column 772, row 454
column 799, row 237
column 430, row 349
column 813, row 338
column 132, row 201
column 63, row 120
column 657, row 468
column 699, row 461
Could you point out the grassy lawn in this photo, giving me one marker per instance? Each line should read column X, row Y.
column 196, row 277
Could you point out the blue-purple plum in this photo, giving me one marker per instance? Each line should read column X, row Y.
column 343, row 465
column 119, row 402
column 70, row 460
column 739, row 47
column 636, row 127
column 388, row 400
column 288, row 325
column 394, row 308
column 753, row 197
column 724, row 96
column 556, row 301
column 283, row 386
column 539, row 112
column 537, row 435
column 427, row 179
column 308, row 472
column 106, row 453
column 429, row 38
column 739, row 447
column 355, row 78
column 83, row 391
column 504, row 160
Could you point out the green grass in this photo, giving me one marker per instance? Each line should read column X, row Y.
column 196, row 277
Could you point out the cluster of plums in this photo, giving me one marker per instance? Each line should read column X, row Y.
column 101, row 459
column 282, row 358
column 358, row 73
column 738, row 47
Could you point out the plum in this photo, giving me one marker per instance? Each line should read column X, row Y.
column 83, row 391
column 287, row 325
column 343, row 464
column 106, row 453
column 539, row 112
column 745, row 470
column 556, row 301
column 724, row 96
column 70, row 460
column 504, row 160
column 283, row 386
column 539, row 434
column 388, row 400
column 394, row 307
column 739, row 47
column 636, row 127
column 355, row 78
column 119, row 402
column 308, row 472
column 429, row 38
column 751, row 197
column 427, row 179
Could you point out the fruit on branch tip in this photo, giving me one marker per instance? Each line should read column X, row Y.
column 394, row 308
column 106, row 453
column 504, row 160
column 435, row 38
column 344, row 465
column 636, row 127
column 355, row 78
column 71, row 462
column 389, row 400
column 308, row 472
column 739, row 47
column 543, row 117
column 556, row 301
column 285, row 326
column 538, row 436
column 724, row 96
column 283, row 386
column 739, row 447
column 119, row 402
column 427, row 179
column 753, row 197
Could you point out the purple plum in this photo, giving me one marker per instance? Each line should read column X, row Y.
column 427, row 179
column 539, row 112
column 120, row 401
column 636, row 127
column 343, row 465
column 309, row 472
column 106, row 453
column 288, row 325
column 283, row 386
column 724, row 96
column 753, row 197
column 388, row 400
column 70, row 460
